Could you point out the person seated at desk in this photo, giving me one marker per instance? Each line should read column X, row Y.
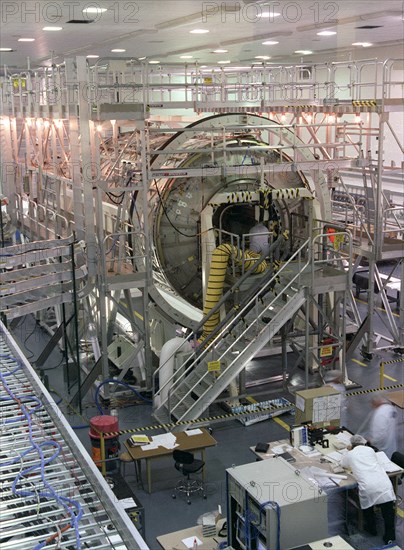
column 374, row 486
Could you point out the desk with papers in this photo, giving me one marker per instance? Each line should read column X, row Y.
column 163, row 445
column 320, row 464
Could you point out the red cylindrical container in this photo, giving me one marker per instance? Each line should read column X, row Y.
column 105, row 424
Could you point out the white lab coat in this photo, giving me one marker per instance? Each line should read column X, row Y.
column 259, row 239
column 374, row 484
column 383, row 428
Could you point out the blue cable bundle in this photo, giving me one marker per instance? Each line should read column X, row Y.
column 71, row 506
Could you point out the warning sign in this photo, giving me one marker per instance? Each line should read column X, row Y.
column 213, row 366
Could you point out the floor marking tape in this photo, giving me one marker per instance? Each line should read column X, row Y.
column 359, row 362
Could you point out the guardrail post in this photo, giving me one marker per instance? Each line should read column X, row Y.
column 382, row 375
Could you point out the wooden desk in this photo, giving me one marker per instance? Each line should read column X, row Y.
column 397, row 398
column 338, row 543
column 172, row 541
column 197, row 442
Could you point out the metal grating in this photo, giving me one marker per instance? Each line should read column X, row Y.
column 51, row 494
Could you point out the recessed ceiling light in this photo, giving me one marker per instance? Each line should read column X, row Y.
column 6, row 49
column 270, row 42
column 199, row 31
column 52, row 28
column 94, row 9
column 118, row 50
column 363, row 44
column 186, row 56
column 92, row 56
column 141, row 58
column 223, row 62
column 154, row 61
column 26, row 40
column 326, row 33
column 270, row 14
column 262, row 57
column 304, row 52
column 220, row 51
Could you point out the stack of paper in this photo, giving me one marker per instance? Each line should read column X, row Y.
column 386, row 463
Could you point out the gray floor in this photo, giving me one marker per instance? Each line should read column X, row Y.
column 163, row 514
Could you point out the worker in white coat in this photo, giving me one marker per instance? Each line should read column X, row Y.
column 374, row 486
column 259, row 239
column 383, row 425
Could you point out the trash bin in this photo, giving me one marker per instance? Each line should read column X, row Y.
column 105, row 424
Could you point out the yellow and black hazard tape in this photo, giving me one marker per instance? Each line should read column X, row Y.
column 364, row 103
column 230, row 415
column 392, row 361
column 224, row 416
column 374, row 390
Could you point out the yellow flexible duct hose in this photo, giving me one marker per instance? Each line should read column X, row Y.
column 220, row 259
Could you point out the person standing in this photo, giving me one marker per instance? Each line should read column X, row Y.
column 383, row 426
column 374, row 486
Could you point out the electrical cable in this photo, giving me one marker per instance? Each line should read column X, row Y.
column 114, row 381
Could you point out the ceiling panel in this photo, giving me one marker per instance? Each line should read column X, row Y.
column 161, row 30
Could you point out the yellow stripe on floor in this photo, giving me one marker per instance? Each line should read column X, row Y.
column 251, row 400
column 281, row 423
column 359, row 362
column 378, row 308
column 400, row 513
column 389, row 377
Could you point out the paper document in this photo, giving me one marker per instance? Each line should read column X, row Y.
column 189, row 542
column 326, row 408
column 336, row 456
column 386, row 463
column 127, row 503
column 344, row 437
column 196, row 431
column 169, row 441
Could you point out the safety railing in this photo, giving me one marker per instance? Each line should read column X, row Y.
column 40, row 221
column 128, row 81
column 393, row 223
column 120, row 257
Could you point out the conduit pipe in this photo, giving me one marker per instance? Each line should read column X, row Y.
column 218, row 267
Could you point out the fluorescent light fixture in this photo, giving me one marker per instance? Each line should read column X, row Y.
column 304, row 52
column 262, row 57
column 326, row 33
column 94, row 9
column 186, row 56
column 154, row 61
column 220, row 51
column 363, row 44
column 6, row 49
column 26, row 40
column 270, row 42
column 141, row 58
column 52, row 28
column 270, row 14
column 118, row 50
column 199, row 31
column 92, row 56
column 224, row 62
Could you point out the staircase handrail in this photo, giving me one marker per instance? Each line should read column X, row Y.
column 234, row 315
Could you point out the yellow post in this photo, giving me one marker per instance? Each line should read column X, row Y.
column 382, row 375
column 102, row 448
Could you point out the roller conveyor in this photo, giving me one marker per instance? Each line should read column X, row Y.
column 51, row 494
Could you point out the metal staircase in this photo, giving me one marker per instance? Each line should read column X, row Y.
column 271, row 302
column 39, row 275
